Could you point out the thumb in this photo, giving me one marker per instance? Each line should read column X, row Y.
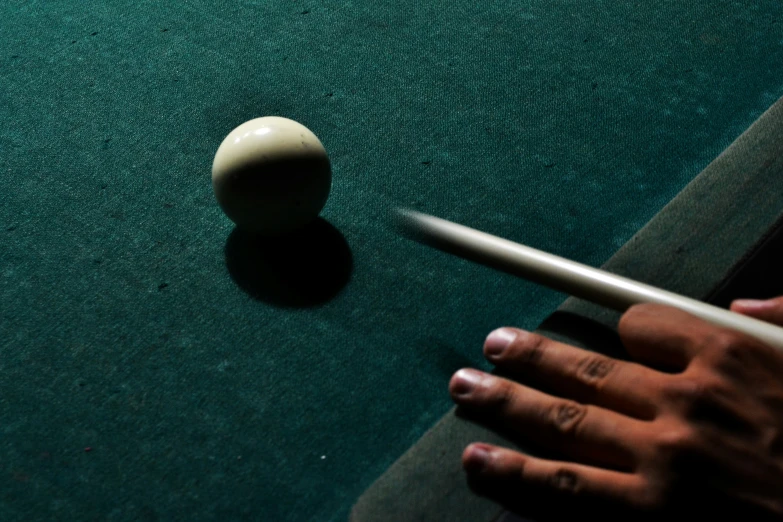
column 770, row 310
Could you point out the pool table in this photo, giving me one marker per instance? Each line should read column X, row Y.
column 157, row 363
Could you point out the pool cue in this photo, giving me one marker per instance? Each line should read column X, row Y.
column 570, row 277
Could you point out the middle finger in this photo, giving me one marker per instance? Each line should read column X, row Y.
column 593, row 434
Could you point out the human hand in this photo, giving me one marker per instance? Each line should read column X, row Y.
column 693, row 427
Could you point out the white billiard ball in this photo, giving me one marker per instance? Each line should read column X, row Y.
column 271, row 176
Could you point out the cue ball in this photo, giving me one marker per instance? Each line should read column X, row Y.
column 271, row 176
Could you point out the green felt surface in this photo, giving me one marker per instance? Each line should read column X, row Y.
column 132, row 324
column 719, row 239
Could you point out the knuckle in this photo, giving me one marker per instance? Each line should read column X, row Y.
column 566, row 417
column 723, row 342
column 679, row 442
column 729, row 351
column 565, row 480
column 594, row 370
column 692, row 392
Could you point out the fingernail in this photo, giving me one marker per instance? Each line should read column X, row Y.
column 476, row 459
column 465, row 381
column 754, row 305
column 498, row 341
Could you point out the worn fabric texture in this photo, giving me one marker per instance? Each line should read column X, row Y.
column 720, row 239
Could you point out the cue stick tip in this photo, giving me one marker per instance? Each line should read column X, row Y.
column 430, row 231
column 410, row 224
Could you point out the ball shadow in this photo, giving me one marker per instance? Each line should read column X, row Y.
column 303, row 269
